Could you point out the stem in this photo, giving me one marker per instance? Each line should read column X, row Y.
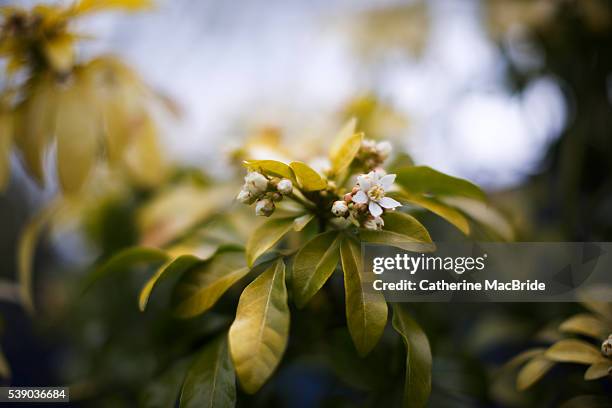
column 302, row 201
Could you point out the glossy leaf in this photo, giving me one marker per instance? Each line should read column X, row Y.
column 201, row 286
column 345, row 147
column 574, row 351
column 402, row 231
column 532, row 372
column 485, row 214
column 266, row 236
column 271, row 168
column 164, row 391
column 418, row 358
column 258, row 336
column 314, row 264
column 523, row 357
column 301, row 222
column 366, row 312
column 307, row 178
column 211, row 381
column 443, row 210
column 6, row 142
column 424, row 180
column 598, row 370
column 585, row 324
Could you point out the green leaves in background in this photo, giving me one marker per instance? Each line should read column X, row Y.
column 307, row 178
column 201, row 286
column 401, row 231
column 258, row 337
column 314, row 264
column 586, row 325
column 266, row 236
column 211, row 380
column 366, row 313
column 345, row 147
column 6, row 142
column 574, row 351
column 424, row 180
column 531, row 372
column 418, row 358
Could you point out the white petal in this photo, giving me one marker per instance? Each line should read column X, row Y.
column 360, row 197
column 374, row 176
column 387, row 181
column 364, row 182
column 375, row 209
column 388, row 202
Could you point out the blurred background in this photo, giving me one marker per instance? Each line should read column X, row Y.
column 513, row 95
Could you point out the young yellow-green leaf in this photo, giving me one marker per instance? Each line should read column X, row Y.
column 77, row 130
column 301, row 222
column 266, row 236
column 574, row 351
column 523, row 357
column 443, row 210
column 483, row 213
column 314, row 264
column 402, row 231
column 92, row 6
column 532, row 372
column 211, row 381
column 424, row 180
column 345, row 147
column 366, row 311
column 587, row 325
column 418, row 358
column 598, row 370
column 307, row 178
column 271, row 168
column 201, row 286
column 258, row 336
column 124, row 260
column 6, row 142
column 59, row 50
column 26, row 251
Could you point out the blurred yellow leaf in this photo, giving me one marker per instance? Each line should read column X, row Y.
column 271, row 168
column 258, row 336
column 532, row 372
column 598, row 370
column 574, row 351
column 307, row 178
column 6, row 142
column 345, row 147
column 445, row 211
column 143, row 157
column 586, row 324
column 59, row 50
column 77, row 128
column 89, row 6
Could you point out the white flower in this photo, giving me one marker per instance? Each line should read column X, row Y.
column 340, row 208
column 285, row 186
column 372, row 189
column 264, row 207
column 245, row 196
column 606, row 347
column 383, row 149
column 375, row 223
column 256, row 183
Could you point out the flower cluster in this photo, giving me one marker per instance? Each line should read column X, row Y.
column 365, row 204
column 373, row 154
column 264, row 192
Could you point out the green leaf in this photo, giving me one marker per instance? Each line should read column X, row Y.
column 271, row 168
column 366, row 312
column 402, row 231
column 523, row 357
column 307, row 178
column 443, row 210
column 266, row 236
column 126, row 259
column 532, row 372
column 258, row 337
column 598, row 370
column 201, row 286
column 301, row 222
column 588, row 401
column 345, row 147
column 164, row 391
column 418, row 358
column 5, row 368
column 574, row 351
column 211, row 381
column 424, row 180
column 6, row 142
column 587, row 325
column 484, row 214
column 313, row 265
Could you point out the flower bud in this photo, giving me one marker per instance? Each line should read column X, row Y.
column 264, row 207
column 339, row 208
column 256, row 183
column 348, row 198
column 606, row 347
column 245, row 196
column 285, row 186
column 384, row 149
column 375, row 224
column 276, row 197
